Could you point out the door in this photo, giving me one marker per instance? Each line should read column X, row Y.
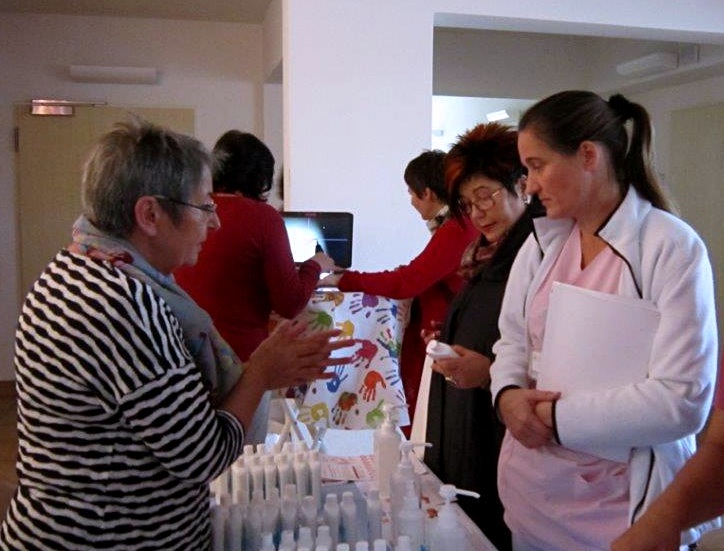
column 48, row 167
column 697, row 162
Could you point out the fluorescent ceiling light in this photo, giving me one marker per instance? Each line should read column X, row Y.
column 497, row 116
column 648, row 64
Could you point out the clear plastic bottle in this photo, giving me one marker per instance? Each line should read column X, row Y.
column 387, row 449
column 305, row 540
column 289, row 509
column 446, row 532
column 411, row 519
column 267, row 542
column 324, row 537
column 374, row 515
column 332, row 516
column 348, row 508
column 404, row 472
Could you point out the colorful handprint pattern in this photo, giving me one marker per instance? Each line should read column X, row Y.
column 352, row 398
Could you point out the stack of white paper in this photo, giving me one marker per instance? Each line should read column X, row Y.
column 595, row 341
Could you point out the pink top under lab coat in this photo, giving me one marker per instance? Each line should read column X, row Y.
column 554, row 497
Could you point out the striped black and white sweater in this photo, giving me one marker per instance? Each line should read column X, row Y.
column 117, row 438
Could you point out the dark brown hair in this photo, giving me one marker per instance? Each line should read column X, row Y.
column 244, row 165
column 426, row 172
column 566, row 119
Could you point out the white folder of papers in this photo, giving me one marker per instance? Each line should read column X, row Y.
column 595, row 341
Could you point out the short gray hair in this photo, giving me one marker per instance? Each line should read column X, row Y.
column 135, row 159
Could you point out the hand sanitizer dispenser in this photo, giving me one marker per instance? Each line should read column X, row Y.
column 446, row 532
column 387, row 449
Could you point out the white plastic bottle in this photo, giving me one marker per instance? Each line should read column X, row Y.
column 284, row 470
column 305, row 540
column 404, row 472
column 348, row 509
column 445, row 531
column 267, row 542
column 324, row 537
column 411, row 519
column 236, row 528
column 315, row 476
column 271, row 519
column 286, row 541
column 332, row 516
column 219, row 516
column 240, row 482
column 270, row 475
column 405, row 544
column 387, row 449
column 374, row 515
column 301, row 474
column 379, row 545
column 308, row 514
column 289, row 509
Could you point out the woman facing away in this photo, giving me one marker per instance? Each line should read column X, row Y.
column 129, row 402
column 608, row 229
column 485, row 178
column 246, row 270
column 431, row 278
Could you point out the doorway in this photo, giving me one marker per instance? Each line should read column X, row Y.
column 50, row 151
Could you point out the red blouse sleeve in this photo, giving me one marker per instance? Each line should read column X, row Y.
column 438, row 260
column 289, row 287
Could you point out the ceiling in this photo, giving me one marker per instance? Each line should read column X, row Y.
column 237, row 11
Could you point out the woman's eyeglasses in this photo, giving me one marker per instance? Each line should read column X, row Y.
column 482, row 199
column 208, row 208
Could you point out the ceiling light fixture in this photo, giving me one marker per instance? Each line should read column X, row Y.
column 497, row 116
column 648, row 64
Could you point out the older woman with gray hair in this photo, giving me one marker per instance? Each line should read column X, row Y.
column 129, row 402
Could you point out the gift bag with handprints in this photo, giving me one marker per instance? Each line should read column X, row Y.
column 354, row 396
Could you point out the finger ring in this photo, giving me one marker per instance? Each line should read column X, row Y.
column 450, row 379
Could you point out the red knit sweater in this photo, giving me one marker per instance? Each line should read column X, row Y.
column 245, row 270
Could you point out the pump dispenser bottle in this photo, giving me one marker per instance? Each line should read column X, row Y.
column 387, row 449
column 446, row 532
column 404, row 472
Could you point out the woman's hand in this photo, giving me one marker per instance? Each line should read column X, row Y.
column 470, row 370
column 292, row 356
column 517, row 409
column 649, row 536
column 332, row 280
column 433, row 332
column 325, row 262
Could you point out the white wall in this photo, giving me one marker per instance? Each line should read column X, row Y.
column 214, row 68
column 357, row 110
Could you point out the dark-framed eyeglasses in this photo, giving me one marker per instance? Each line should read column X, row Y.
column 482, row 199
column 208, row 208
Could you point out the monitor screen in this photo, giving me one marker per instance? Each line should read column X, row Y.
column 329, row 231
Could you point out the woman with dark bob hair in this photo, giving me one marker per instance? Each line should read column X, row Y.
column 246, row 270
column 129, row 402
column 485, row 179
column 577, row 467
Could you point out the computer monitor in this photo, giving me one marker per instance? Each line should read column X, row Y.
column 330, row 232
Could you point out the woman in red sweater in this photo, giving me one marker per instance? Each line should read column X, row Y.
column 245, row 269
column 430, row 278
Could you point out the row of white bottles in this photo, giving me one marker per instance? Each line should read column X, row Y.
column 237, row 527
column 269, row 472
